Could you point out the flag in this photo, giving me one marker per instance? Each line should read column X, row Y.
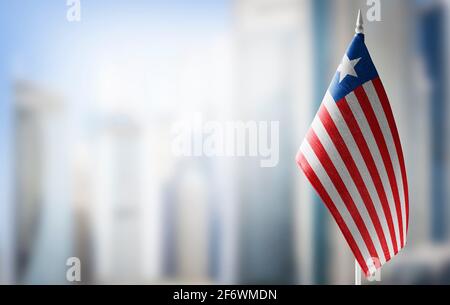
column 353, row 158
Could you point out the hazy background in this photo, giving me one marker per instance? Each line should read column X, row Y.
column 86, row 111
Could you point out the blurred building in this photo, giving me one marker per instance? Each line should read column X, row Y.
column 82, row 212
column 117, row 199
column 41, row 202
column 188, row 212
column 432, row 18
column 7, row 242
column 272, row 81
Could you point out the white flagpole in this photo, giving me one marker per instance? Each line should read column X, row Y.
column 357, row 274
column 358, row 30
column 359, row 24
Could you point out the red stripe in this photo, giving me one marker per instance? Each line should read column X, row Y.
column 315, row 182
column 381, row 143
column 393, row 127
column 340, row 145
column 326, row 162
column 356, row 132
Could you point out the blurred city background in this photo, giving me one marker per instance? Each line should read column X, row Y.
column 86, row 111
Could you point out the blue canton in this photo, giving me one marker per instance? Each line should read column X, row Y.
column 365, row 70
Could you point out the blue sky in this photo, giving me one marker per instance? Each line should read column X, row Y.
column 34, row 31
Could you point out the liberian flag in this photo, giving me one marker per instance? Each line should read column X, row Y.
column 353, row 158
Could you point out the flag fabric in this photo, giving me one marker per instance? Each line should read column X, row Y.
column 353, row 158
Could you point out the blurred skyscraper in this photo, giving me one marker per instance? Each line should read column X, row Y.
column 433, row 49
column 117, row 200
column 271, row 46
column 41, row 202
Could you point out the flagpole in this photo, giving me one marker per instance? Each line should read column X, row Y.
column 358, row 30
column 357, row 274
column 359, row 24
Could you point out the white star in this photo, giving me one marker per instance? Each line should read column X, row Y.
column 347, row 67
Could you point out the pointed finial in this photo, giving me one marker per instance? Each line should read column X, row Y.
column 359, row 24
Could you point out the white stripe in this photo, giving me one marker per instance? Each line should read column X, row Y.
column 376, row 154
column 387, row 134
column 325, row 180
column 349, row 141
column 339, row 164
